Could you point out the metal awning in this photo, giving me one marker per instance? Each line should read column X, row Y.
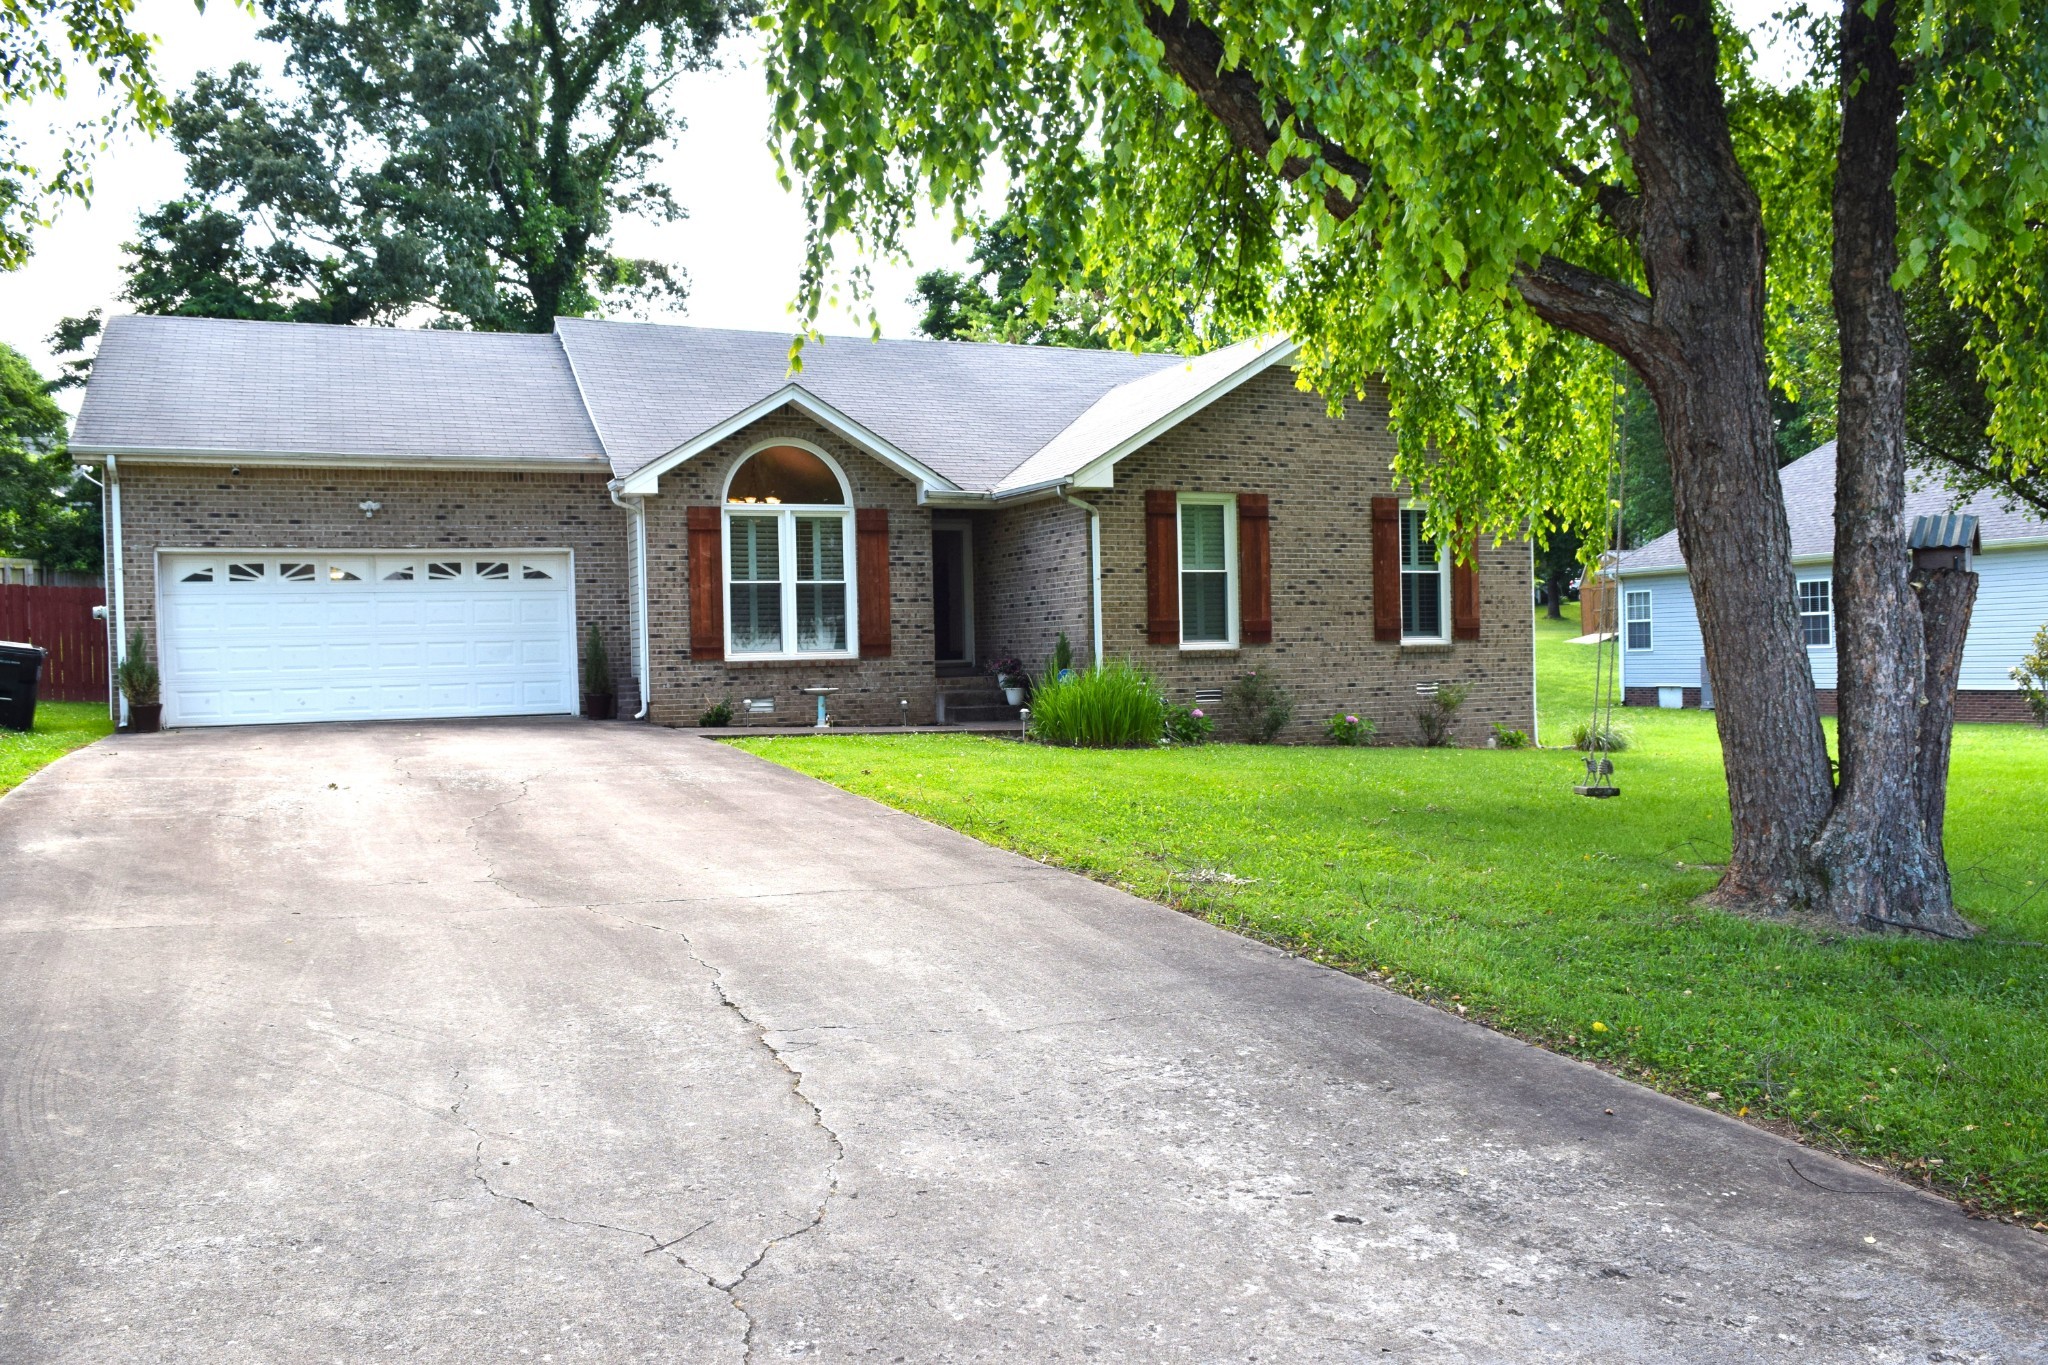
column 1947, row 531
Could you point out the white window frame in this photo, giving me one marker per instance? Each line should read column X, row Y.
column 1799, row 607
column 1443, row 581
column 1228, row 502
column 1648, row 621
column 786, row 515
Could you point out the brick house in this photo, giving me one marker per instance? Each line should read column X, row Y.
column 313, row 523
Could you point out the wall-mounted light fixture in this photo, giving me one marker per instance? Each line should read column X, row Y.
column 369, row 509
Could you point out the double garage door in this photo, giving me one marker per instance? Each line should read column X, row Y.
column 259, row 637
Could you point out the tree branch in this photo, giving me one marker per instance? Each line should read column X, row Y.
column 1599, row 308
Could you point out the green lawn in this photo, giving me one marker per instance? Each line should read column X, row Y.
column 1475, row 878
column 61, row 726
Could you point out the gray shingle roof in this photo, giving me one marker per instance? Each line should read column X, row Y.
column 969, row 410
column 1809, row 484
column 198, row 385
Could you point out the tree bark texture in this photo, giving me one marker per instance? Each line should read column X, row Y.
column 1878, row 866
column 1946, row 599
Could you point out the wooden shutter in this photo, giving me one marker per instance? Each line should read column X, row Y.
column 1386, row 569
column 871, row 528
column 707, row 584
column 1162, row 567
column 1254, row 570
column 1465, row 594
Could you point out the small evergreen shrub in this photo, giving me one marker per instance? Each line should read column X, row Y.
column 718, row 714
column 137, row 675
column 1439, row 712
column 2032, row 677
column 1610, row 739
column 597, row 665
column 1350, row 729
column 1116, row 706
column 1256, row 708
column 1505, row 738
column 1062, row 655
column 1186, row 725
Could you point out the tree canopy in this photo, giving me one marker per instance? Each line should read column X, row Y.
column 1415, row 191
column 995, row 300
column 43, row 46
column 460, row 157
column 48, row 511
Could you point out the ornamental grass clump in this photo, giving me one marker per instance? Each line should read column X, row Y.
column 1114, row 706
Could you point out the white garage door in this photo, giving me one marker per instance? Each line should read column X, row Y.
column 255, row 637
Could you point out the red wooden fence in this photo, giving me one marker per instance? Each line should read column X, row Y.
column 60, row 620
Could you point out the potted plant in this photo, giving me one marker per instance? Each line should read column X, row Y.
column 600, row 698
column 1010, row 676
column 141, row 685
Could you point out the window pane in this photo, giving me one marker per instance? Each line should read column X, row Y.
column 756, row 555
column 1422, row 607
column 820, row 549
column 1201, row 535
column 820, row 616
column 1204, row 607
column 756, row 618
column 1418, row 551
column 786, row 474
column 1639, row 635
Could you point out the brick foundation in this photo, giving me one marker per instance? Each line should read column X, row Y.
column 1974, row 706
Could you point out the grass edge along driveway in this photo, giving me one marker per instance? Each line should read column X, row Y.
column 61, row 726
column 1475, row 880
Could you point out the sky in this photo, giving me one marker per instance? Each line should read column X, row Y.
column 742, row 243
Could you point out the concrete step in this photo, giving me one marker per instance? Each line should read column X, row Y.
column 974, row 712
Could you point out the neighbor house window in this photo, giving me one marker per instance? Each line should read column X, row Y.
column 1817, row 612
column 1208, row 533
column 788, row 522
column 1425, row 581
column 1636, row 618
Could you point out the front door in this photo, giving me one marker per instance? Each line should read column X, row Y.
column 953, row 591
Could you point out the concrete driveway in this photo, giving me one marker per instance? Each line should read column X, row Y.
column 558, row 1041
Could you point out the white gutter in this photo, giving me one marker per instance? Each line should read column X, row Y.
column 117, row 580
column 641, row 643
column 1094, row 569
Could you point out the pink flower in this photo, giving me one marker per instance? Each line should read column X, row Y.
column 1196, row 713
column 1351, row 720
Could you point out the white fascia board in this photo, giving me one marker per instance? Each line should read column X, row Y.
column 646, row 480
column 263, row 459
column 1100, row 471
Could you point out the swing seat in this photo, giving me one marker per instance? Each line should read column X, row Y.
column 1601, row 793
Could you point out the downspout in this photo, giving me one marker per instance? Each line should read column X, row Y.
column 641, row 643
column 117, row 580
column 1094, row 568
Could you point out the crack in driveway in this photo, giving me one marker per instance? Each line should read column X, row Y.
column 733, row 1287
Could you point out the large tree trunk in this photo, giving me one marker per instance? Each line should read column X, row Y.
column 1702, row 243
column 1878, row 866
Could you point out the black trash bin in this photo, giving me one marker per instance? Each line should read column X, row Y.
column 20, row 667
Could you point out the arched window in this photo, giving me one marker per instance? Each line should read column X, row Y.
column 788, row 527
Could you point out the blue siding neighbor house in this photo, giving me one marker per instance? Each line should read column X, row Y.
column 1664, row 664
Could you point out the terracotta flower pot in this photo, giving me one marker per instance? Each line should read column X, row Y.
column 600, row 705
column 145, row 717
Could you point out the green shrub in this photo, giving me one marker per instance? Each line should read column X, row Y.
column 1186, row 725
column 1116, row 706
column 1350, row 729
column 1611, row 739
column 1438, row 712
column 719, row 713
column 1504, row 738
column 597, row 665
column 1256, row 708
column 1062, row 655
column 137, row 675
column 2032, row 677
